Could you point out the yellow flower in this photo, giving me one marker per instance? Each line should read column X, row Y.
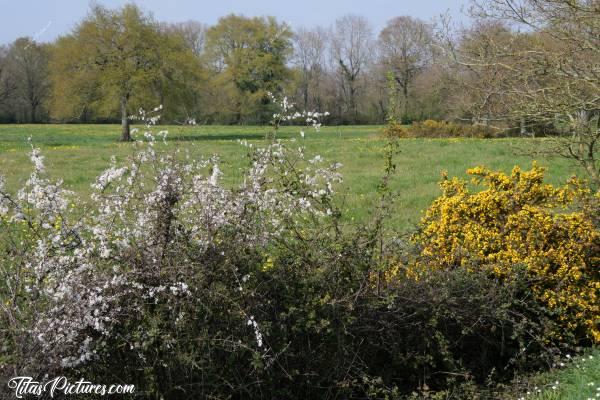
column 268, row 264
column 519, row 220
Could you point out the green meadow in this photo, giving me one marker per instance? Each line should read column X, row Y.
column 78, row 153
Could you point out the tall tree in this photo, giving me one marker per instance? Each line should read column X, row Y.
column 183, row 77
column 352, row 50
column 405, row 51
column 27, row 65
column 475, row 92
column 113, row 59
column 7, row 84
column 193, row 34
column 310, row 47
column 248, row 57
column 550, row 70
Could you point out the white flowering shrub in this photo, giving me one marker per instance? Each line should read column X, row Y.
column 153, row 229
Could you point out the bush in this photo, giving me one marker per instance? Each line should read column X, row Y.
column 185, row 287
column 519, row 220
column 439, row 129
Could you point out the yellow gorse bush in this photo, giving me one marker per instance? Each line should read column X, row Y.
column 439, row 129
column 518, row 220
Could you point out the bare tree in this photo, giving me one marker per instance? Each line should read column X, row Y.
column 192, row 32
column 405, row 50
column 28, row 64
column 310, row 48
column 352, row 48
column 553, row 67
column 475, row 89
column 7, row 83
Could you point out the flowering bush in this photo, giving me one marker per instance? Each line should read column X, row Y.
column 439, row 129
column 151, row 226
column 519, row 220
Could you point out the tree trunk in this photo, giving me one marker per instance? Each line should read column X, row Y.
column 33, row 113
column 405, row 105
column 353, row 105
column 305, row 94
column 125, row 134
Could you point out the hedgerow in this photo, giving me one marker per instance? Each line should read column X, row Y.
column 440, row 129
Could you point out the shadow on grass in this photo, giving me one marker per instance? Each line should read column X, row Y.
column 193, row 138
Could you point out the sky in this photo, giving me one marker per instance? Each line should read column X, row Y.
column 45, row 20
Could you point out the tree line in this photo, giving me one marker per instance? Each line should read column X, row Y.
column 117, row 60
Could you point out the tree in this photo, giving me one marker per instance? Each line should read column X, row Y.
column 113, row 58
column 27, row 70
column 7, row 85
column 475, row 91
column 552, row 68
column 352, row 49
column 193, row 34
column 183, row 77
column 310, row 48
column 248, row 57
column 405, row 50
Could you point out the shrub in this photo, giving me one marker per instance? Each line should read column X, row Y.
column 439, row 129
column 172, row 278
column 519, row 220
column 395, row 130
column 456, row 325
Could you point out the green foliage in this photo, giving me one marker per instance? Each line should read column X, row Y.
column 24, row 82
column 324, row 330
column 440, row 129
column 249, row 58
column 445, row 330
column 119, row 58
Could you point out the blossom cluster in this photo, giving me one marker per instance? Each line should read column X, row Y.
column 149, row 118
column 89, row 270
column 287, row 113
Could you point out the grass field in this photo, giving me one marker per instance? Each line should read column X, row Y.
column 77, row 153
column 577, row 379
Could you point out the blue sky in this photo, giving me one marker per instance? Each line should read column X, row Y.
column 45, row 20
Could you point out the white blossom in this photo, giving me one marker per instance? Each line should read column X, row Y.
column 101, row 270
